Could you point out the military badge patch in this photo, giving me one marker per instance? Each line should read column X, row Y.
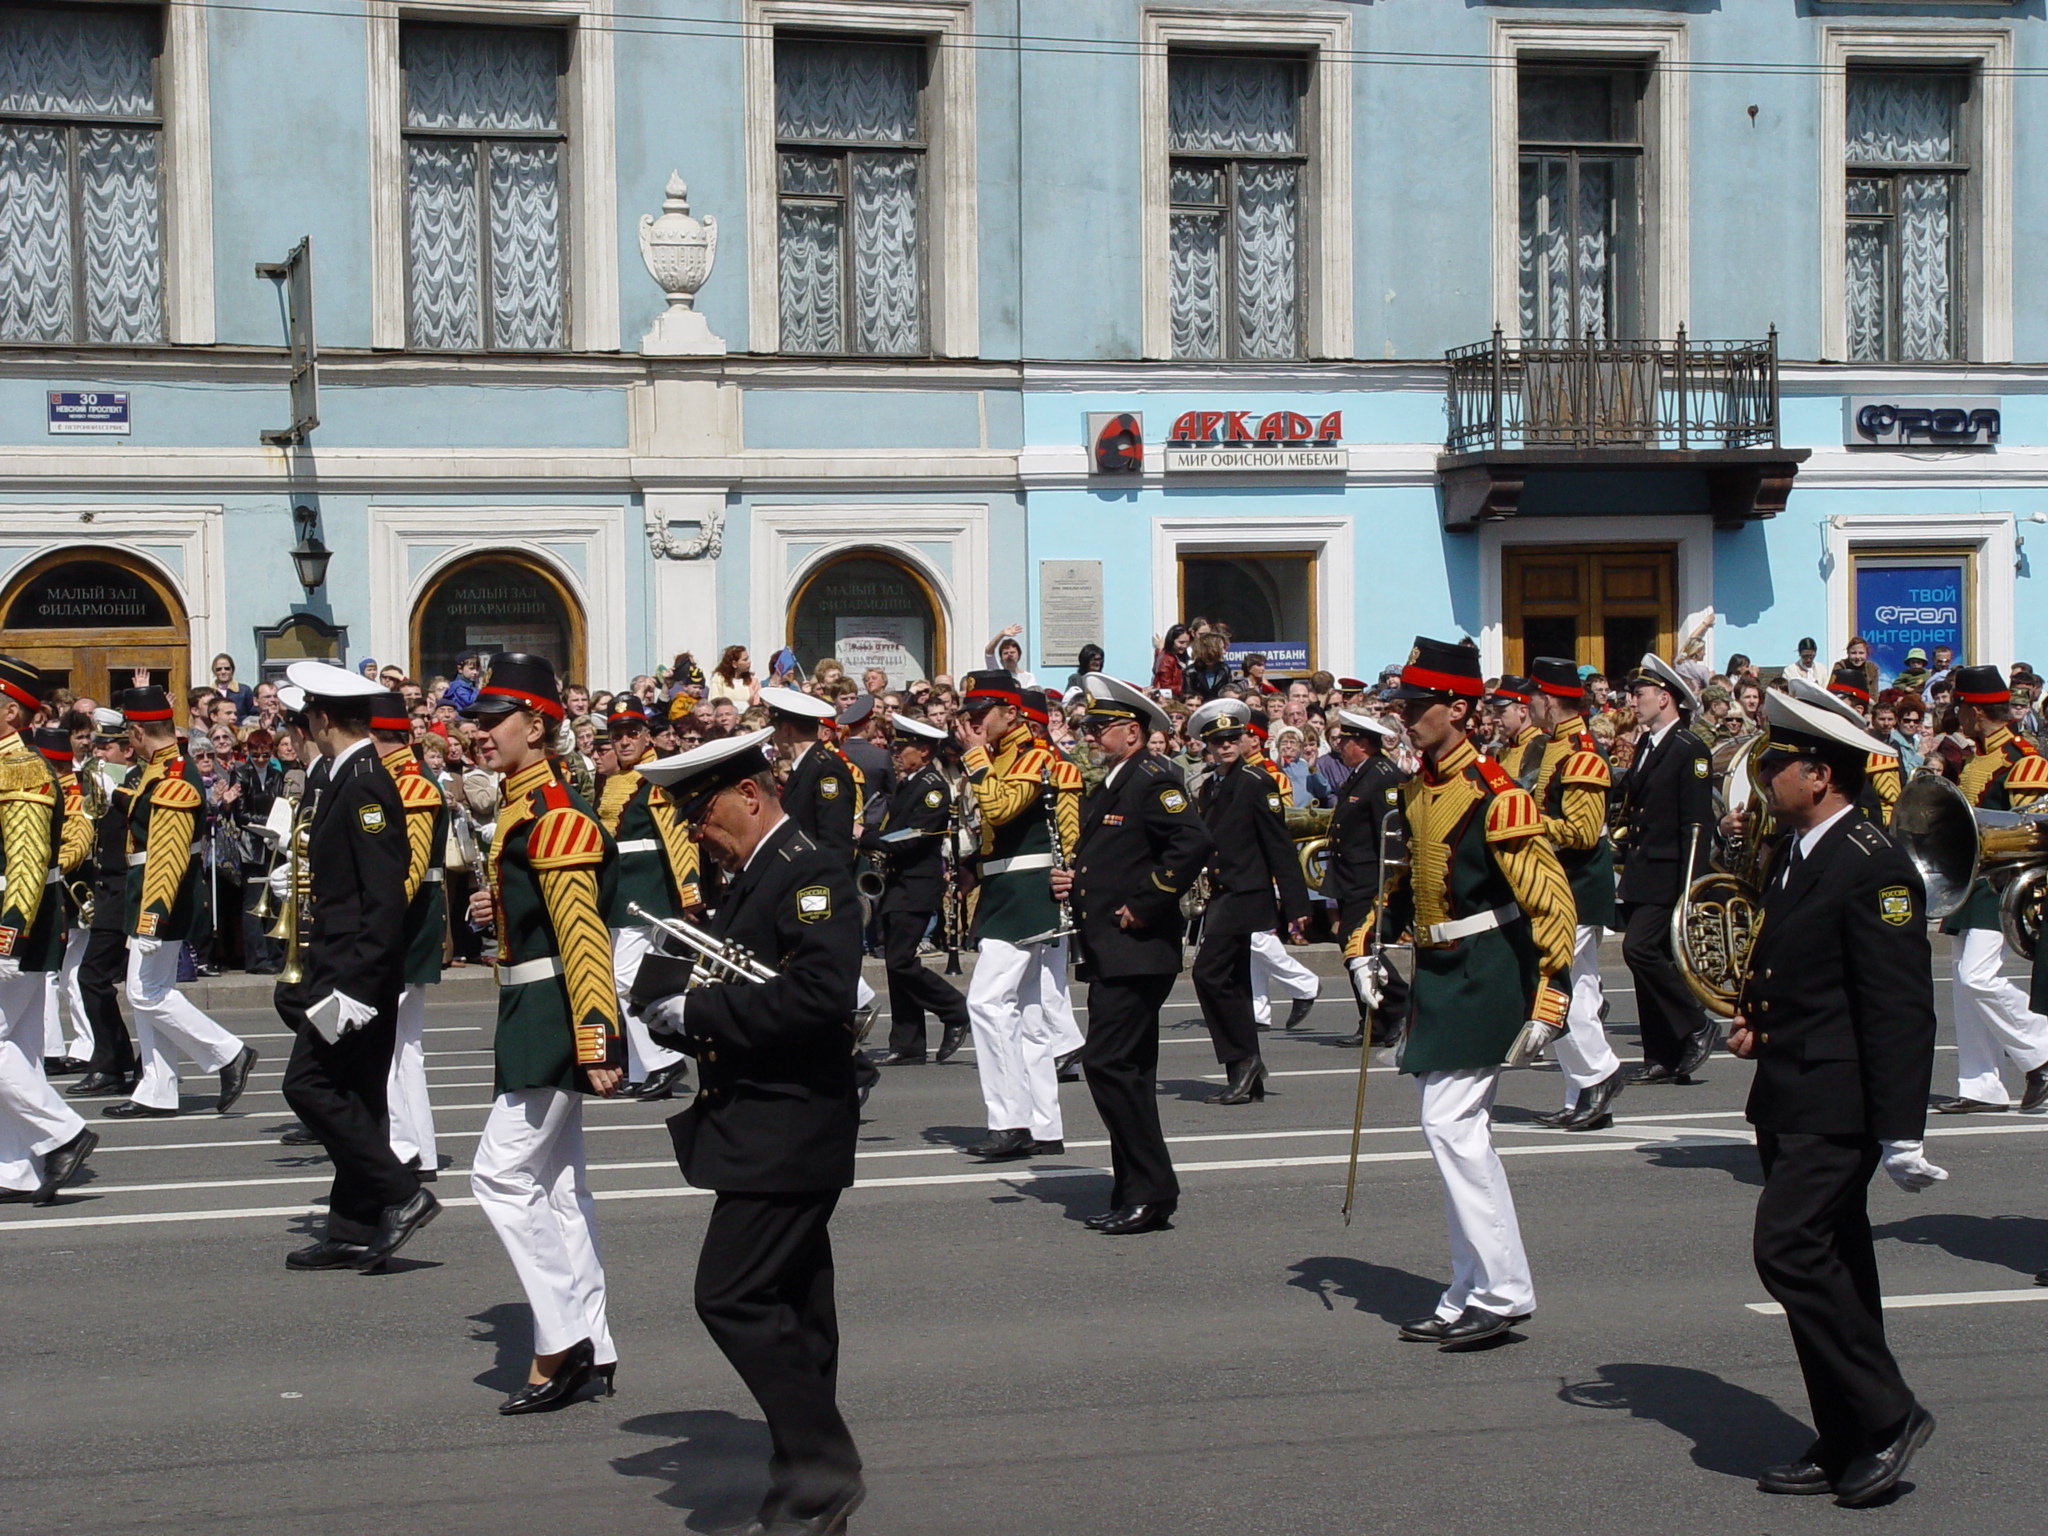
column 1895, row 905
column 372, row 817
column 935, row 798
column 813, row 904
column 1699, row 767
column 1112, row 821
column 829, row 788
column 1173, row 800
column 7, row 938
column 1273, row 802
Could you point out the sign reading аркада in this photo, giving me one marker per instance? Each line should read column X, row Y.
column 1247, row 441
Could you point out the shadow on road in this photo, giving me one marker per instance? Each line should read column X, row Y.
column 2016, row 1242
column 508, row 1327
column 1736, row 1159
column 1392, row 1295
column 1734, row 1431
column 716, row 1467
column 954, row 1135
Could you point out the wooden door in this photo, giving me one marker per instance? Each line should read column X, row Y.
column 1601, row 605
column 87, row 618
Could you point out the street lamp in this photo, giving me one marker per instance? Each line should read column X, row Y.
column 309, row 555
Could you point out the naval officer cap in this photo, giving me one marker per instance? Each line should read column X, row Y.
column 910, row 730
column 1557, row 676
column 1659, row 673
column 692, row 778
column 107, row 725
column 1111, row 699
column 1794, row 729
column 1220, row 720
column 789, row 704
column 1363, row 727
column 1440, row 669
column 518, row 681
column 1832, row 700
column 323, row 680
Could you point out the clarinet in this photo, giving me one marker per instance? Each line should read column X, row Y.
column 1059, row 859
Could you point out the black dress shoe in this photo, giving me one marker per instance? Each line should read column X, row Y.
column 1805, row 1475
column 1868, row 1479
column 128, row 1109
column 829, row 1521
column 94, row 1085
column 1425, row 1330
column 1356, row 1039
column 950, row 1041
column 396, row 1226
column 1094, row 1224
column 1961, row 1106
column 1133, row 1219
column 298, row 1136
column 63, row 1162
column 326, row 1254
column 1557, row 1117
column 1002, row 1146
column 1474, row 1328
column 1067, row 1068
column 1386, row 1032
column 570, row 1377
column 903, row 1059
column 1300, row 1010
column 234, row 1077
column 1048, row 1149
column 1697, row 1050
column 1247, row 1083
column 661, row 1083
column 2035, row 1098
column 71, row 1066
column 1652, row 1072
column 1595, row 1110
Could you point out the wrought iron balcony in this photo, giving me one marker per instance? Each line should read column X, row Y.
column 1703, row 409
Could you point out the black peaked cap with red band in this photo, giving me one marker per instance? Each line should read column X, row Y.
column 54, row 742
column 1036, row 706
column 388, row 712
column 981, row 689
column 1440, row 669
column 1980, row 685
column 1558, row 677
column 144, row 704
column 1852, row 683
column 24, row 684
column 627, row 710
column 519, row 681
column 1512, row 689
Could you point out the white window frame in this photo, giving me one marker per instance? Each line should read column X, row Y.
column 952, row 264
column 1330, row 539
column 1991, row 535
column 1663, row 48
column 1988, row 54
column 1324, row 42
column 188, row 177
column 590, row 166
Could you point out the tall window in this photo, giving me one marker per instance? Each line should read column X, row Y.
column 851, row 172
column 1234, row 130
column 81, row 198
column 1907, row 176
column 1581, row 195
column 483, row 151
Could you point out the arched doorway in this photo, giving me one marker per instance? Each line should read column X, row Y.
column 499, row 600
column 868, row 608
column 87, row 617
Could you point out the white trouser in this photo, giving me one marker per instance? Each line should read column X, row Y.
column 1992, row 1019
column 1017, row 1034
column 405, row 1091
column 1275, row 970
column 33, row 1119
column 1582, row 1050
column 643, row 1055
column 1489, row 1270
column 528, row 1177
column 165, row 1024
column 73, row 995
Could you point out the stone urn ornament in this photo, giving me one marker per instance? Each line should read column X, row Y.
column 678, row 251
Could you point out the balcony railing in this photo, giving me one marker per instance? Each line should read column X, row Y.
column 1643, row 395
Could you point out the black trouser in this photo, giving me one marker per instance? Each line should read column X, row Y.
column 261, row 954
column 1223, row 986
column 1670, row 1015
column 764, row 1291
column 1122, row 1063
column 338, row 1091
column 914, row 990
column 1814, row 1255
column 101, row 975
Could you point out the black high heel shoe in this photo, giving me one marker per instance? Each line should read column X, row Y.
column 570, row 1377
column 1247, row 1083
column 605, row 1373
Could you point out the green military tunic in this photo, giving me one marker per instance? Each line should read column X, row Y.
column 658, row 864
column 1570, row 785
column 164, row 806
column 1014, row 899
column 426, row 830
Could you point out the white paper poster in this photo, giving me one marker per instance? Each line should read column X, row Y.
column 896, row 645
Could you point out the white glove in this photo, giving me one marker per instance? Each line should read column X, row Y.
column 145, row 946
column 280, row 881
column 9, row 967
column 1536, row 1038
column 354, row 1015
column 1368, row 980
column 666, row 1016
column 1906, row 1162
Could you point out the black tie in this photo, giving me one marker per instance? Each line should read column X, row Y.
column 1793, row 856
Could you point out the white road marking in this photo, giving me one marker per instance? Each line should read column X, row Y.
column 1932, row 1299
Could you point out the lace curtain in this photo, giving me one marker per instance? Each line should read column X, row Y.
column 1571, row 266
column 850, row 223
column 1902, row 248
column 1243, row 257
column 79, row 201
column 484, row 213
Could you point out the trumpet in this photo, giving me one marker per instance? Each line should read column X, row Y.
column 1954, row 844
column 81, row 902
column 298, row 897
column 730, row 961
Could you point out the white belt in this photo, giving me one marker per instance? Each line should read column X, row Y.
column 50, row 877
column 137, row 859
column 641, row 845
column 434, row 874
column 1022, row 861
column 528, row 971
column 1465, row 927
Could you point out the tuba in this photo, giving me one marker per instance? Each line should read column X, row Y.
column 1309, row 826
column 1714, row 925
column 1955, row 844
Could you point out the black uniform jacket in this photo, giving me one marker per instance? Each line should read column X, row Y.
column 1667, row 792
column 1369, row 796
column 916, row 871
column 110, row 861
column 819, row 795
column 1142, row 845
column 876, row 768
column 1253, row 854
column 359, row 855
column 1840, row 994
column 776, row 1112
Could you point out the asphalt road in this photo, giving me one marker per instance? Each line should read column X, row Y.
column 1006, row 1372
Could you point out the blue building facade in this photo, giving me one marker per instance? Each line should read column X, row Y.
column 1002, row 295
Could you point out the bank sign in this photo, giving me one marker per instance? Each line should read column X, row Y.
column 1240, row 442
column 1899, row 607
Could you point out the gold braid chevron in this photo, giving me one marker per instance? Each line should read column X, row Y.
column 422, row 807
column 611, row 804
column 1435, row 812
column 79, row 833
column 675, row 842
column 1545, row 897
column 1005, row 782
column 585, row 946
column 173, row 823
column 28, row 799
